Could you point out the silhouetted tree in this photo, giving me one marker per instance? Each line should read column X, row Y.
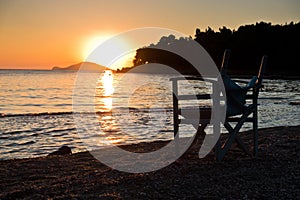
column 248, row 44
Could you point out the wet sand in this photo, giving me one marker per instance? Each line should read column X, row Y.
column 274, row 174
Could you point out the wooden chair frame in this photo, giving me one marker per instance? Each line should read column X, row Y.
column 249, row 111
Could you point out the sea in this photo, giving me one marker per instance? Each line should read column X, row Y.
column 42, row 110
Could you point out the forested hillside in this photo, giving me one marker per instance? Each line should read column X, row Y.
column 248, row 44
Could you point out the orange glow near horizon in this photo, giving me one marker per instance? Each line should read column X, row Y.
column 43, row 34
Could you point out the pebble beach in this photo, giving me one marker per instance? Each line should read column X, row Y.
column 273, row 174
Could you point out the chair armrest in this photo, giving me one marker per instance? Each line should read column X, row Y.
column 240, row 81
column 186, row 78
column 249, row 84
column 196, row 78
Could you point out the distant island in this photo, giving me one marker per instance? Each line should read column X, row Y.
column 90, row 66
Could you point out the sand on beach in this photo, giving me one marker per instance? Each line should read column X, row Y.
column 274, row 174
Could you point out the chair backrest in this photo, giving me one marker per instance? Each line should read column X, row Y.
column 262, row 70
column 225, row 60
column 235, row 94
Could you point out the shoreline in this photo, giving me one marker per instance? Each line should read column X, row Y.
column 246, row 76
column 273, row 174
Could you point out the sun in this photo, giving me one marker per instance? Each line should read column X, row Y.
column 118, row 48
column 92, row 43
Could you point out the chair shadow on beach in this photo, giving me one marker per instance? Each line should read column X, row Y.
column 241, row 102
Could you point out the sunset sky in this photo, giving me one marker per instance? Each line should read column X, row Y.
column 40, row 34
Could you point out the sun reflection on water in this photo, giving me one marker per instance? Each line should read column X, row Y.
column 105, row 91
column 107, row 82
column 104, row 106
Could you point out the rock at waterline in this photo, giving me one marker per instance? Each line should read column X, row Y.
column 294, row 103
column 63, row 150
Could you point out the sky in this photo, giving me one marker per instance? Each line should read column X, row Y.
column 37, row 34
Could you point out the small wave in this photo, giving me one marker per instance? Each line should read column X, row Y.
column 63, row 104
column 18, row 132
column 32, row 97
column 27, row 143
column 275, row 98
column 144, row 108
column 60, row 130
column 32, row 105
column 25, row 131
column 2, row 115
column 58, row 98
column 104, row 96
column 14, row 144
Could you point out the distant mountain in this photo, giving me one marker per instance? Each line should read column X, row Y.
column 85, row 65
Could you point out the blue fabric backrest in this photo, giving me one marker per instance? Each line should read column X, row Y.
column 236, row 95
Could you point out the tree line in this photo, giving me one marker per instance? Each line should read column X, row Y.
column 248, row 44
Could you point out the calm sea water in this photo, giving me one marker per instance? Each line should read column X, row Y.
column 36, row 110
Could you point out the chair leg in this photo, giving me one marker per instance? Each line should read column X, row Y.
column 218, row 147
column 227, row 144
column 218, row 150
column 198, row 140
column 233, row 135
column 255, row 134
column 240, row 143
